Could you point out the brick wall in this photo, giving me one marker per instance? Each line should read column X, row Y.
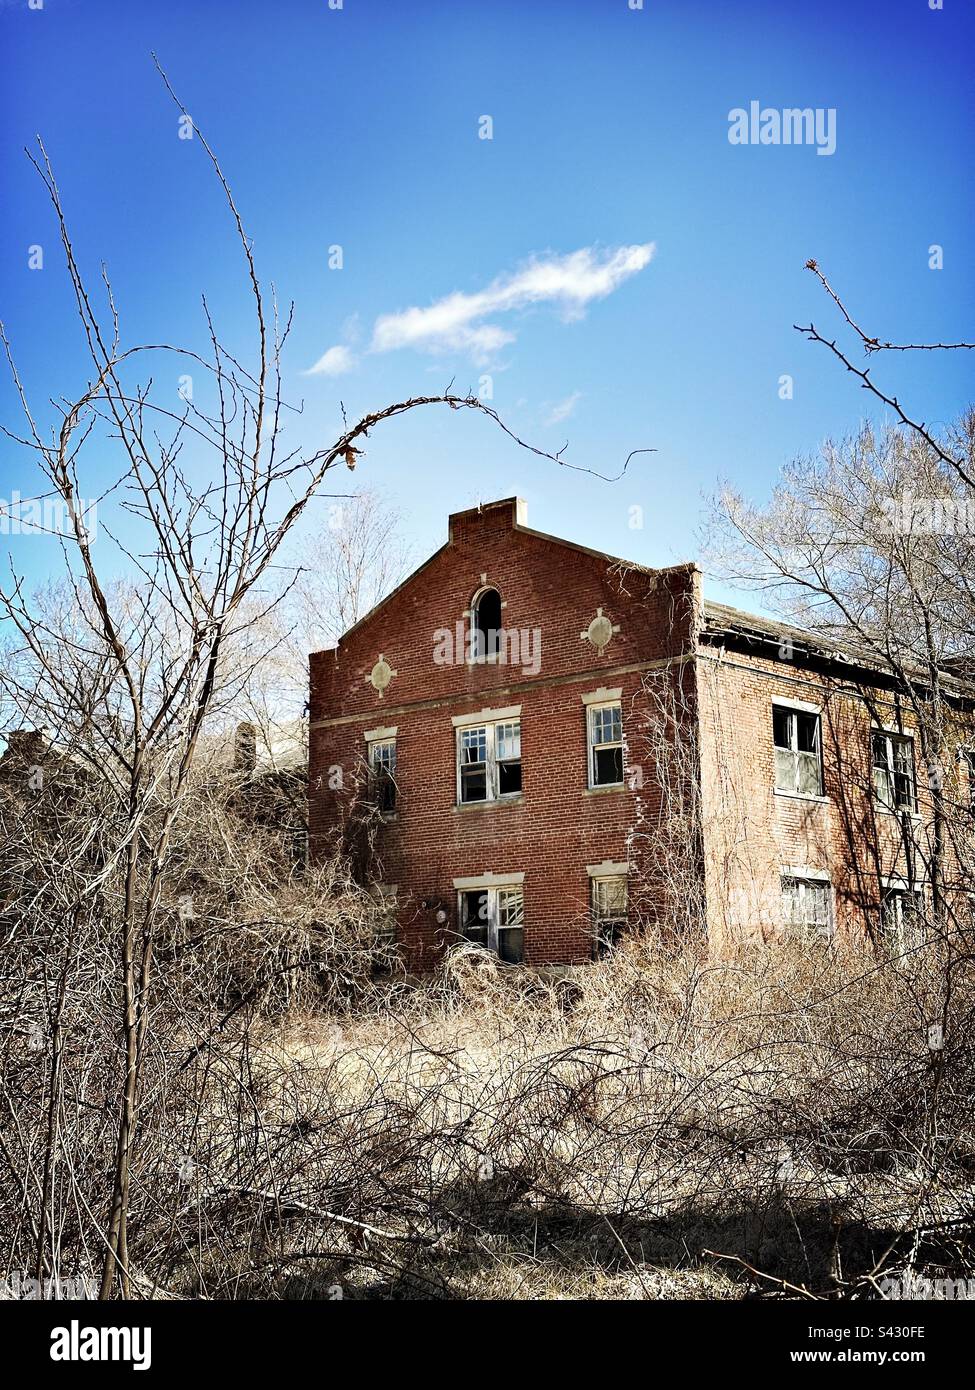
column 558, row 826
column 752, row 832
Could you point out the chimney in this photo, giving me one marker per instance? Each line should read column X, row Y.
column 487, row 522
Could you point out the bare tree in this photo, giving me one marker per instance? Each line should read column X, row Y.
column 349, row 565
column 872, row 542
column 129, row 672
column 353, row 553
column 872, row 345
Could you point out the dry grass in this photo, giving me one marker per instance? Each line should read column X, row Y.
column 658, row 1125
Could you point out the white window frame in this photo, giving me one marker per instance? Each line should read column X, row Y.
column 491, row 728
column 592, row 710
column 794, row 708
column 899, row 890
column 966, row 757
column 595, row 883
column 374, row 745
column 805, row 879
column 498, row 896
column 599, row 918
column 890, row 736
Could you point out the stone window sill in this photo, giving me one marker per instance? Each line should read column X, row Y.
column 915, row 816
column 515, row 800
column 802, row 796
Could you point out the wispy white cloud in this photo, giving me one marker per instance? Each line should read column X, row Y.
column 335, row 362
column 459, row 321
column 561, row 410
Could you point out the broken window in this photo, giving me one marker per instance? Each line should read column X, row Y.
column 605, row 745
column 798, row 760
column 474, row 917
column 486, row 624
column 508, row 755
column 511, row 925
column 473, row 764
column 489, row 761
column 807, row 907
column 494, row 918
column 382, row 771
column 893, row 771
column 608, row 901
column 901, row 916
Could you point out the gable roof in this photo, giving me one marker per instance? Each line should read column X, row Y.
column 519, row 509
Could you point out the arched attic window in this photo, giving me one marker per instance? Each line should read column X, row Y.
column 486, row 623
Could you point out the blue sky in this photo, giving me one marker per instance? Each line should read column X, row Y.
column 359, row 127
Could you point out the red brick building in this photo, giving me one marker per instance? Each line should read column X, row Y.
column 534, row 742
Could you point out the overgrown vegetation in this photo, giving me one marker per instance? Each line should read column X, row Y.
column 658, row 1124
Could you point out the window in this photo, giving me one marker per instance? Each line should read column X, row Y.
column 486, row 624
column 608, row 901
column 511, row 925
column 473, row 764
column 605, row 745
column 901, row 915
column 489, row 761
column 494, row 918
column 968, row 761
column 387, row 934
column 798, row 760
column 893, row 771
column 474, row 916
column 507, row 753
column 806, row 906
column 382, row 772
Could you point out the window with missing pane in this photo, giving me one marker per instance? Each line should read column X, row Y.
column 382, row 769
column 486, row 628
column 495, row 919
column 893, row 771
column 474, row 917
column 605, row 745
column 489, row 761
column 507, row 748
column 473, row 764
column 797, row 737
column 511, row 925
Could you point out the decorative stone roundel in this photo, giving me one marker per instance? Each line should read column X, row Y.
column 381, row 675
column 600, row 631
